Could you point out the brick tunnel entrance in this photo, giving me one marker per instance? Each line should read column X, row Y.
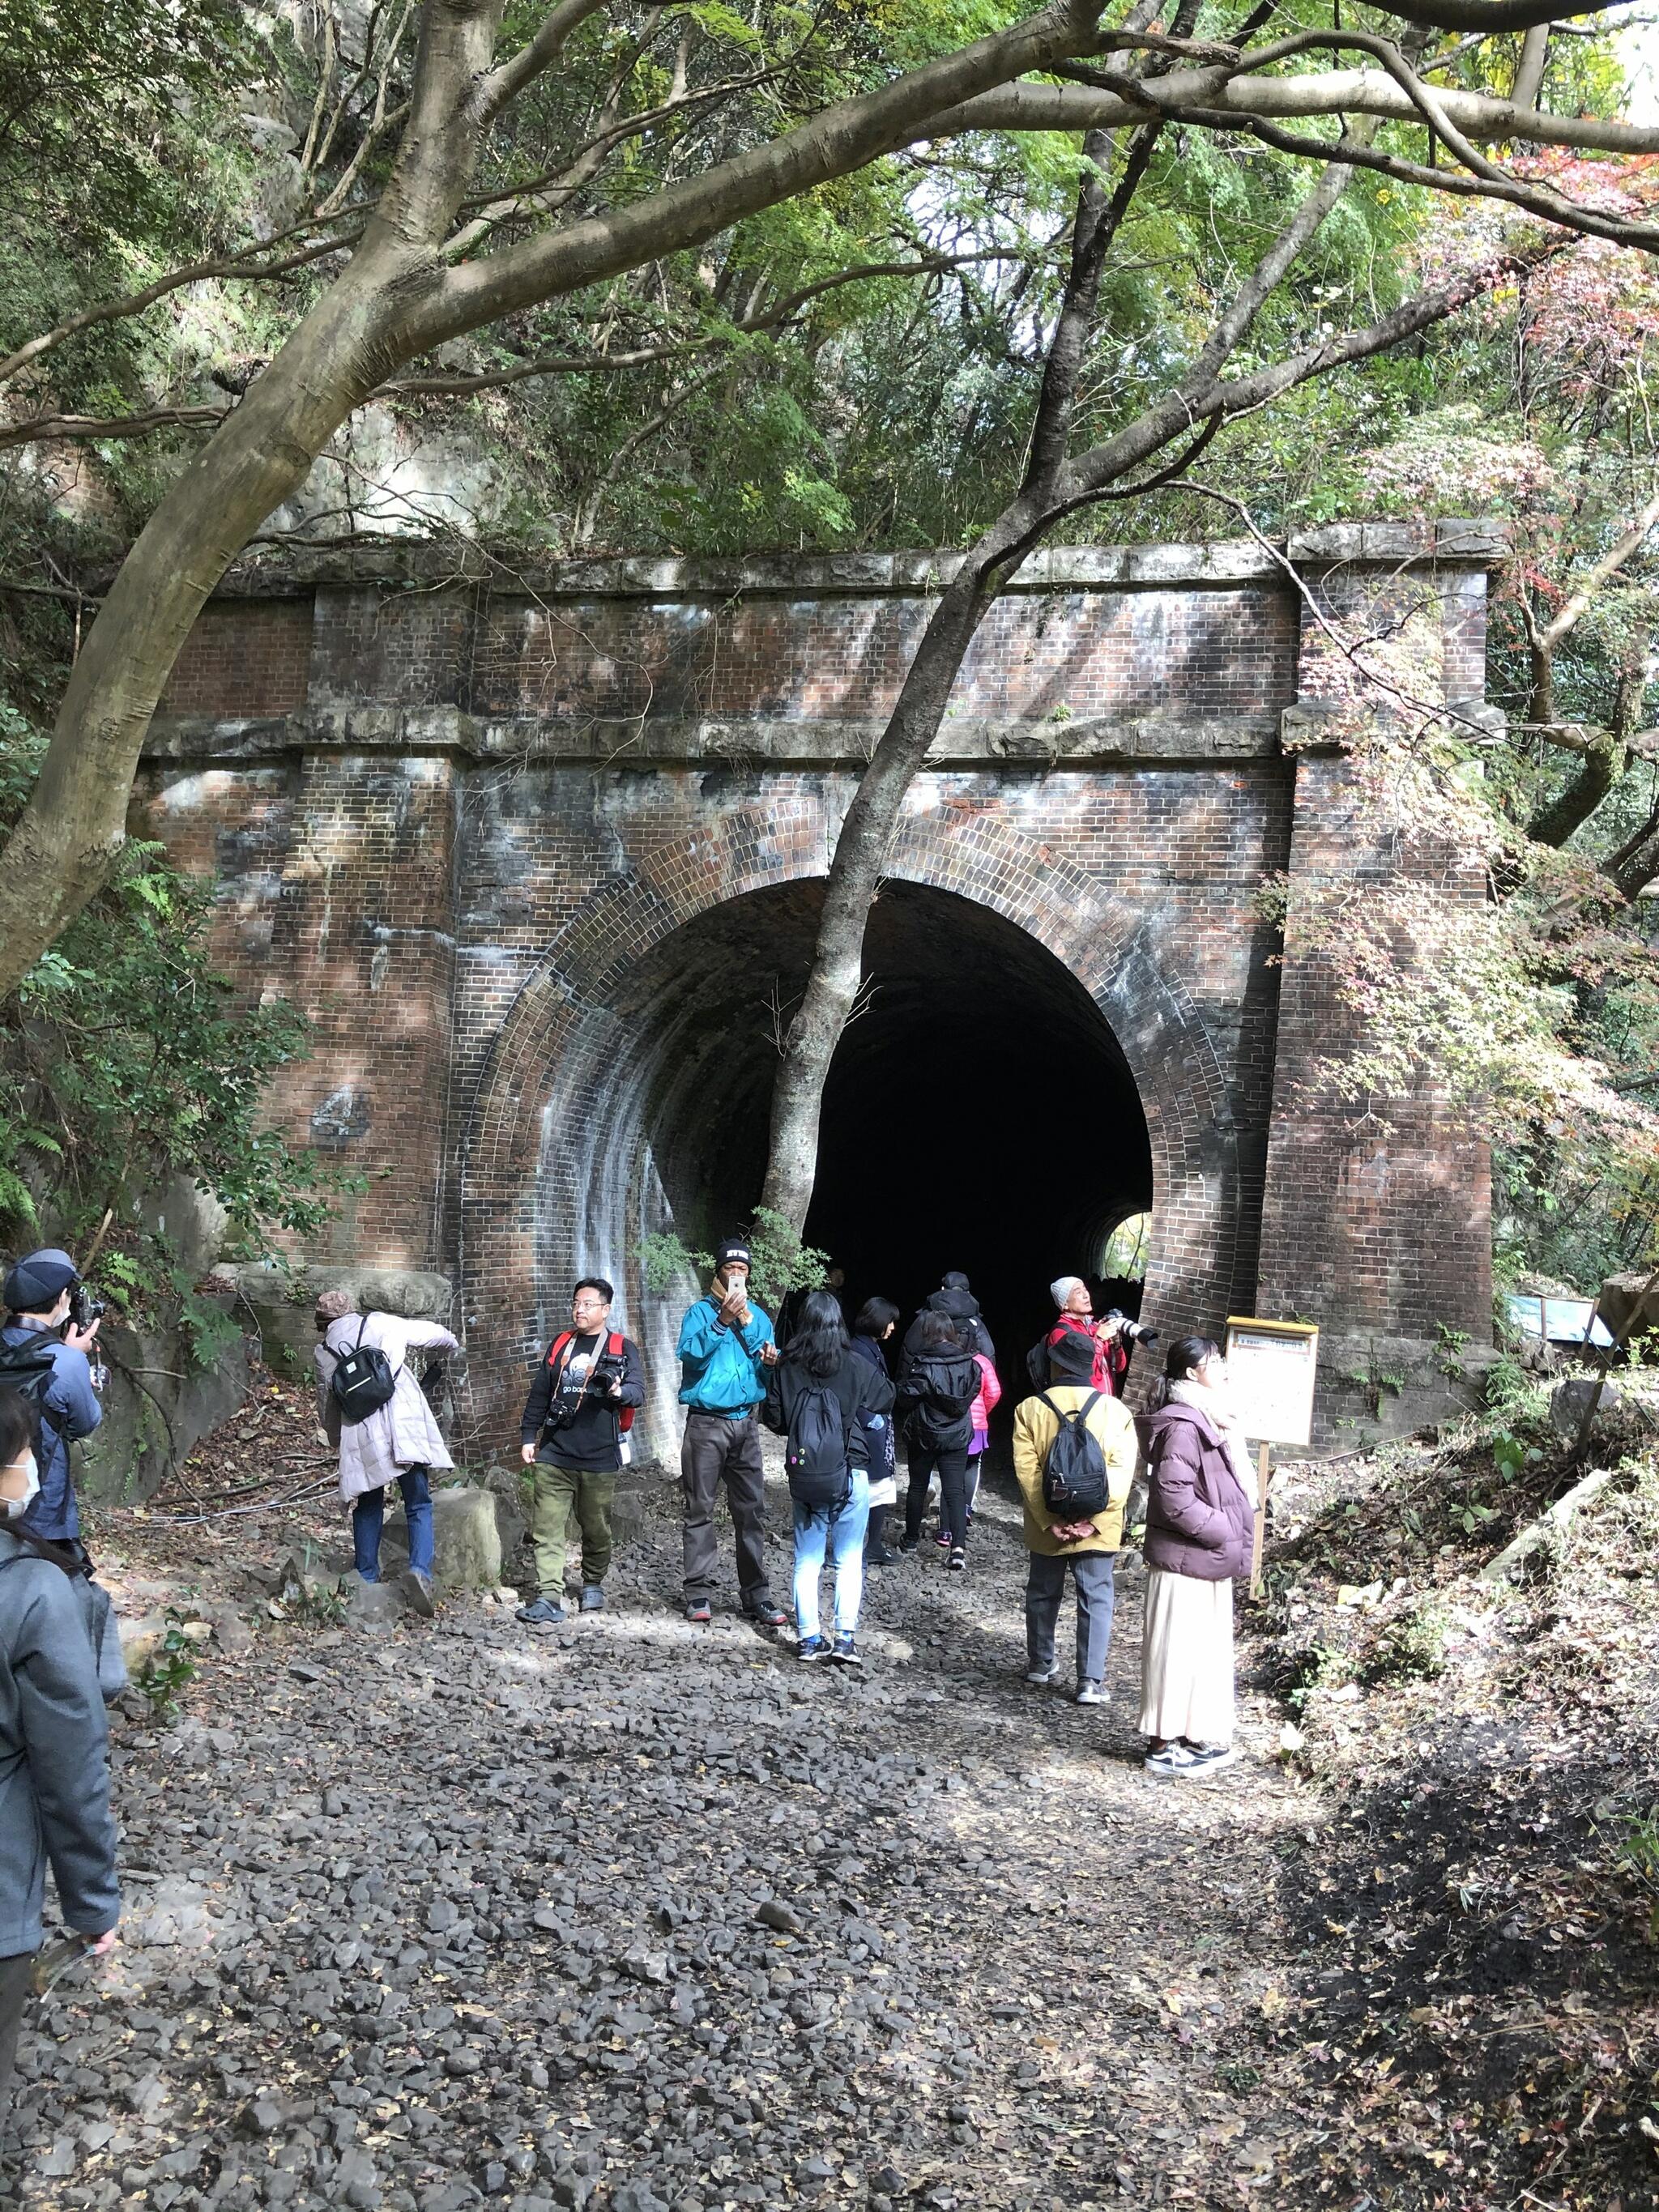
column 978, row 1114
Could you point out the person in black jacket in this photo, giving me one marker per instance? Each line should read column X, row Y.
column 954, row 1299
column 818, row 1359
column 938, row 1383
column 878, row 1319
column 54, row 1747
column 572, row 1436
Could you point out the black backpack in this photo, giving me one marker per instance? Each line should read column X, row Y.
column 943, row 1385
column 28, row 1369
column 1074, row 1485
column 815, row 1455
column 363, row 1380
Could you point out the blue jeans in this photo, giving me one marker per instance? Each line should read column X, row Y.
column 368, row 1517
column 842, row 1534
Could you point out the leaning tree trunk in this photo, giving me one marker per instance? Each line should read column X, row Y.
column 76, row 818
column 1049, row 489
column 832, row 982
column 854, row 876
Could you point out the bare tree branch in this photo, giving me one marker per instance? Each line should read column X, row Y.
column 243, row 268
column 50, row 427
column 506, row 83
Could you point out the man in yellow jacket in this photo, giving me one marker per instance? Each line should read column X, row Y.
column 1089, row 1547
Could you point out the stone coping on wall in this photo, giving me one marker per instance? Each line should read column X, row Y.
column 1461, row 543
column 732, row 742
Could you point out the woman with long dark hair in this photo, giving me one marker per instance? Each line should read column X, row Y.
column 822, row 1397
column 877, row 1320
column 1201, row 1513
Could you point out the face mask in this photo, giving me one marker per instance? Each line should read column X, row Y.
column 13, row 1508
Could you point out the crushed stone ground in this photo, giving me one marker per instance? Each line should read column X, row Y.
column 653, row 1914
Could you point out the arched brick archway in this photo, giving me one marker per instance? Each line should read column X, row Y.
column 560, row 1169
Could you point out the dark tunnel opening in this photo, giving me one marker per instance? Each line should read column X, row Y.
column 979, row 1113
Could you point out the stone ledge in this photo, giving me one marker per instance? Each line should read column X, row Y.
column 1214, row 564
column 735, row 742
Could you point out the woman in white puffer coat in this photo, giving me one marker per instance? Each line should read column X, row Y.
column 400, row 1442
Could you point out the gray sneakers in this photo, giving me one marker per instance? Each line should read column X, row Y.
column 417, row 1590
column 1089, row 1694
column 1041, row 1678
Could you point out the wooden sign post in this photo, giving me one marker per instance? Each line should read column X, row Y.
column 1270, row 1373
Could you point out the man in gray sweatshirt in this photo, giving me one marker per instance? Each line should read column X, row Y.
column 54, row 1749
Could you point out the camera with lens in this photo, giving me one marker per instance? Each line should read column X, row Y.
column 86, row 1307
column 1132, row 1331
column 608, row 1370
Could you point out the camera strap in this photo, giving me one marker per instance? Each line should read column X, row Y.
column 606, row 1342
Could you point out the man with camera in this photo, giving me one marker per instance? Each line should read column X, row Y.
column 51, row 1331
column 1115, row 1338
column 726, row 1346
column 580, row 1405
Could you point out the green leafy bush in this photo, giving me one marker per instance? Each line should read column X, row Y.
column 166, row 1671
column 1413, row 1647
column 125, row 1057
column 779, row 1261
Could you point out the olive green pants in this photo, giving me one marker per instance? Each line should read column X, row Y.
column 557, row 1492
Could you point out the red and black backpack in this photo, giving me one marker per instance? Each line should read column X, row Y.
column 613, row 1348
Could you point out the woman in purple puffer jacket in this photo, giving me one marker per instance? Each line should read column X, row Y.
column 1200, row 1514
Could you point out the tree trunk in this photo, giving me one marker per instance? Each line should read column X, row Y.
column 1607, row 752
column 76, row 818
column 346, row 345
column 832, row 982
column 1048, row 491
column 854, row 876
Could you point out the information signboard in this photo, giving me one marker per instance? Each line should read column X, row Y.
column 1271, row 1366
column 1270, row 1378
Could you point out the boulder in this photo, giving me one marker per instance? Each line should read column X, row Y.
column 372, row 1605
column 158, row 1405
column 281, row 1305
column 465, row 1534
column 1624, row 1307
column 1569, row 1400
column 507, row 1486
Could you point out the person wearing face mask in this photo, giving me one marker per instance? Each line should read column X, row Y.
column 45, row 1357
column 1200, row 1518
column 54, row 1746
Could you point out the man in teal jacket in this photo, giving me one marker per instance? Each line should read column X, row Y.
column 726, row 1347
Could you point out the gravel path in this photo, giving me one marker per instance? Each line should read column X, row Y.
column 652, row 1915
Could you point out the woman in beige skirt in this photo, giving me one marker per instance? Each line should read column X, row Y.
column 1199, row 1519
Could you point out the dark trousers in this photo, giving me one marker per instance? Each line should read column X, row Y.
column 1093, row 1578
column 953, row 1492
column 14, row 1994
column 723, row 1448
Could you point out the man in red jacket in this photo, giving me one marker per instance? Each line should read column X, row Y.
column 1114, row 1337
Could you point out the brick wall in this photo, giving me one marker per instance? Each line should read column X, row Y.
column 244, row 657
column 1378, row 1220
